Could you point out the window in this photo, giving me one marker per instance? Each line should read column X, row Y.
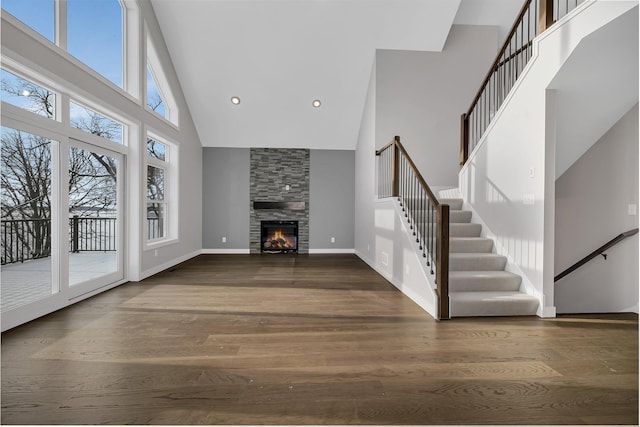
column 93, row 31
column 37, row 14
column 94, row 35
column 154, row 98
column 26, row 223
column 158, row 173
column 95, row 123
column 27, row 95
column 159, row 96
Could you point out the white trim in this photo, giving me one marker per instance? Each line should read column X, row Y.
column 167, row 265
column 332, row 251
column 364, row 258
column 224, row 251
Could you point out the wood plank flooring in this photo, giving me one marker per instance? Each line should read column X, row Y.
column 308, row 339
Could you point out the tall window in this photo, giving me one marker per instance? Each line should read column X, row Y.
column 94, row 35
column 94, row 31
column 37, row 14
column 159, row 96
column 157, row 212
column 155, row 100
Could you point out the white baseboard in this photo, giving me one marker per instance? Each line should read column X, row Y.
column 365, row 258
column 332, row 251
column 158, row 268
column 224, row 251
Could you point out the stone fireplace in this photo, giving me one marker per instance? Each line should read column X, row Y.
column 279, row 192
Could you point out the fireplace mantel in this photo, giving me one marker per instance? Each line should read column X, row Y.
column 294, row 206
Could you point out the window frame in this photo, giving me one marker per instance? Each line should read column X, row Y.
column 170, row 199
column 154, row 65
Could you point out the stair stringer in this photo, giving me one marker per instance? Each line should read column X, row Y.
column 398, row 258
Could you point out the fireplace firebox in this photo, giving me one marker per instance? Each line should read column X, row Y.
column 279, row 237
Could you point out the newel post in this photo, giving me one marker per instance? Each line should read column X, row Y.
column 442, row 257
column 545, row 18
column 464, row 139
column 395, row 170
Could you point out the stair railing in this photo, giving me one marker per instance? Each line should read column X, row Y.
column 600, row 251
column 534, row 18
column 428, row 219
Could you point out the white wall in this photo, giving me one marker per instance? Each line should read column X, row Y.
column 398, row 258
column 421, row 95
column 592, row 199
column 516, row 157
column 381, row 238
column 365, row 177
column 190, row 179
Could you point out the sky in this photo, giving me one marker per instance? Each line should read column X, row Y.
column 94, row 33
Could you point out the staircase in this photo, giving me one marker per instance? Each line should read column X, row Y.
column 478, row 283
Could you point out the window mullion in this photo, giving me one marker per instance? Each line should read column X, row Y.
column 60, row 23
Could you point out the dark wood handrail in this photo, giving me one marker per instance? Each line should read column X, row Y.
column 620, row 237
column 496, row 61
column 439, row 254
column 396, row 142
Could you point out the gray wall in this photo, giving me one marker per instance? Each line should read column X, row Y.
column 421, row 95
column 227, row 202
column 332, row 188
column 592, row 199
column 225, row 198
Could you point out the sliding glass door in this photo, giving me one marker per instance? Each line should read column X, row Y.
column 61, row 222
column 95, row 221
column 28, row 218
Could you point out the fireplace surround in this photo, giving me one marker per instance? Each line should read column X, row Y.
column 279, row 191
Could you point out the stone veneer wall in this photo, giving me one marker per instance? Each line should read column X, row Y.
column 271, row 170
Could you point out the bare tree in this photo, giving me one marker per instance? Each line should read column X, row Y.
column 40, row 100
column 26, row 192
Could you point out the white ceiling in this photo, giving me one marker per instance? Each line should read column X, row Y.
column 280, row 55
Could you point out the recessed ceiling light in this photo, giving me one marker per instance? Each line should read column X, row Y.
column 235, row 100
column 316, row 103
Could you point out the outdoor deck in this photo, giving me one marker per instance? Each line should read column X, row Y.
column 23, row 283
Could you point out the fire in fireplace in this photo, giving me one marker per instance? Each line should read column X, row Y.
column 279, row 237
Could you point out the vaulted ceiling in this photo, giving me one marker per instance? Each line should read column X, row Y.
column 278, row 56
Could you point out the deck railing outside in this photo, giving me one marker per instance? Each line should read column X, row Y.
column 26, row 239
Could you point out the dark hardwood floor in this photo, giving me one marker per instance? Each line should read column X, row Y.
column 320, row 339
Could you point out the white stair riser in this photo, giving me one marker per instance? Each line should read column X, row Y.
column 475, row 262
column 470, row 245
column 489, row 281
column 465, row 304
column 465, row 230
column 463, row 217
column 454, row 204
